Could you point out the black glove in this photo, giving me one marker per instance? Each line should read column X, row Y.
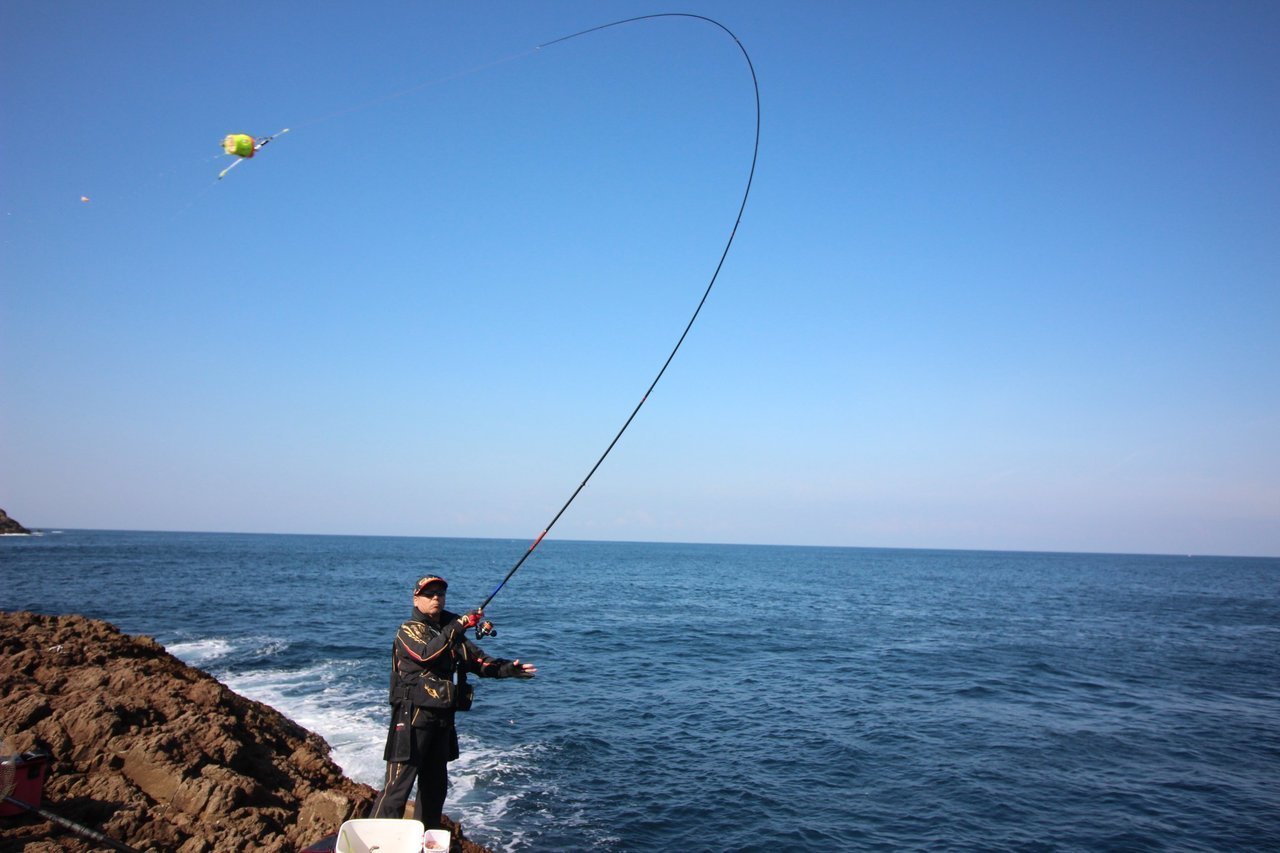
column 515, row 669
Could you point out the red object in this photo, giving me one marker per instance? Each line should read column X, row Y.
column 28, row 783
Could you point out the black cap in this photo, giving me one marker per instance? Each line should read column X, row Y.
column 427, row 581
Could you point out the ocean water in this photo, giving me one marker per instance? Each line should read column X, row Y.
column 713, row 697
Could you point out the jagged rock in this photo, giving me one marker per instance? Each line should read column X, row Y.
column 156, row 754
column 9, row 525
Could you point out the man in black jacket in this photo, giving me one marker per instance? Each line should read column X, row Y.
column 428, row 650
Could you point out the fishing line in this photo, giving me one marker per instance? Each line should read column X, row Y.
column 382, row 99
column 755, row 151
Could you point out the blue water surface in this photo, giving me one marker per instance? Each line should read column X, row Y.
column 719, row 697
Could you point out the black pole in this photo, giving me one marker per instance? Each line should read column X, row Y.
column 73, row 826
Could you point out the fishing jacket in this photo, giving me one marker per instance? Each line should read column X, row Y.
column 425, row 657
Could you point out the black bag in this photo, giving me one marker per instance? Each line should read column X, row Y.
column 464, row 694
column 432, row 692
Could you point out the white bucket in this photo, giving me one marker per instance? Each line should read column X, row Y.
column 380, row 835
column 436, row 841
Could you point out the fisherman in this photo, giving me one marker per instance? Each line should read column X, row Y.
column 428, row 650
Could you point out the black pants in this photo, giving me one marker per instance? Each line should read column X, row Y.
column 428, row 765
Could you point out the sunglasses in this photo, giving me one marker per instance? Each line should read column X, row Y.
column 434, row 593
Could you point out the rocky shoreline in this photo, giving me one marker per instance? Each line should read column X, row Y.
column 156, row 754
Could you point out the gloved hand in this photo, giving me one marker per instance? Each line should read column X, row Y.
column 470, row 620
column 515, row 669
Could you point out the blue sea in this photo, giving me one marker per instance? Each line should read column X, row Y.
column 720, row 697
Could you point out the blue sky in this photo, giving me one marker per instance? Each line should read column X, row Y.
column 1008, row 276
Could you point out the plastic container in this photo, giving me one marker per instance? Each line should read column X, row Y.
column 380, row 835
column 436, row 841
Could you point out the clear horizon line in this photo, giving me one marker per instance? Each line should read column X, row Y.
column 525, row 539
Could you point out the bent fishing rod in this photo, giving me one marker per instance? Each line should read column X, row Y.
column 486, row 628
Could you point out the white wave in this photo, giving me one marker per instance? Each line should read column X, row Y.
column 268, row 647
column 484, row 782
column 200, row 652
column 327, row 699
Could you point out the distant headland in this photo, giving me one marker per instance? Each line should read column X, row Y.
column 9, row 526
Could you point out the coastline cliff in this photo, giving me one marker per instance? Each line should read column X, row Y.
column 157, row 754
column 9, row 525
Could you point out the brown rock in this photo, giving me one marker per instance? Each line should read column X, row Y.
column 156, row 754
